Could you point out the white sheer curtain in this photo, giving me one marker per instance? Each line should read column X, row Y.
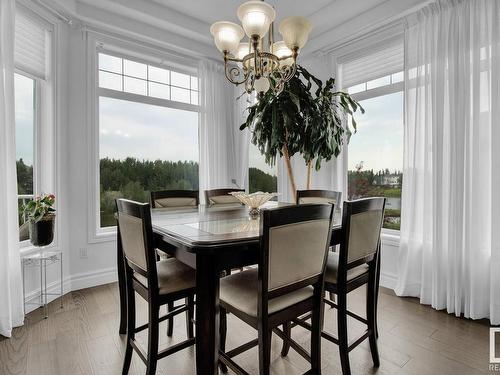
column 450, row 227
column 223, row 147
column 11, row 304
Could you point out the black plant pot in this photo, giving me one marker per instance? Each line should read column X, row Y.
column 42, row 232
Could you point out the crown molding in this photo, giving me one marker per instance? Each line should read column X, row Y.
column 154, row 22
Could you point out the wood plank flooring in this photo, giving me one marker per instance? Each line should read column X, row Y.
column 82, row 339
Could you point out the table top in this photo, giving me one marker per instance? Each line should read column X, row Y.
column 208, row 227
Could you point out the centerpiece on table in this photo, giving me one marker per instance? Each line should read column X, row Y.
column 306, row 118
column 254, row 200
column 41, row 216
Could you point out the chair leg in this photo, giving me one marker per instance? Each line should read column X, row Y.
column 287, row 330
column 371, row 316
column 316, row 323
column 342, row 332
column 223, row 334
column 170, row 322
column 130, row 328
column 377, row 285
column 189, row 317
column 331, row 296
column 264, row 350
column 154, row 315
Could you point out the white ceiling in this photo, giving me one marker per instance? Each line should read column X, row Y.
column 325, row 14
column 175, row 21
column 215, row 10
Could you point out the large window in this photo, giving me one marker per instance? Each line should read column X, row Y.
column 376, row 154
column 24, row 99
column 374, row 77
column 261, row 176
column 34, row 120
column 144, row 144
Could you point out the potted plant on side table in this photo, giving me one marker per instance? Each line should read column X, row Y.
column 41, row 216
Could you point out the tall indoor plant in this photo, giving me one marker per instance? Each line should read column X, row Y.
column 305, row 118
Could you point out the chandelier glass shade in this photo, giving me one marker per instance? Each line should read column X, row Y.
column 260, row 63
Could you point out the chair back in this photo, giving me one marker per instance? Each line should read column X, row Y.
column 361, row 225
column 174, row 199
column 319, row 196
column 221, row 197
column 136, row 235
column 294, row 244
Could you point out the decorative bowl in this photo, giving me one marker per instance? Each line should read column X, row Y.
column 253, row 201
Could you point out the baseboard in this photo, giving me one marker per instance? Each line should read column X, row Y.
column 32, row 298
column 388, row 280
column 94, row 278
column 74, row 282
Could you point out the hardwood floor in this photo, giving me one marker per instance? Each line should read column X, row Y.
column 82, row 339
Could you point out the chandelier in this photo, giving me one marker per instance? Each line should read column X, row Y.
column 260, row 63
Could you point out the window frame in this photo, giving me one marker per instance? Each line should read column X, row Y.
column 45, row 117
column 365, row 45
column 98, row 43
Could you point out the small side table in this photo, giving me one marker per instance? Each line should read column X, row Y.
column 41, row 260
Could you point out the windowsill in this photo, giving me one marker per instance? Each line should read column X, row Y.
column 390, row 237
column 104, row 235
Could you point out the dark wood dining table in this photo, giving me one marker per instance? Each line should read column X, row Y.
column 211, row 240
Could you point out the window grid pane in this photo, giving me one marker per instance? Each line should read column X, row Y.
column 180, row 80
column 110, row 81
column 180, row 95
column 135, row 86
column 135, row 69
column 124, row 75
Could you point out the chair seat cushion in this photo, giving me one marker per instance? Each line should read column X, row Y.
column 332, row 267
column 173, row 276
column 240, row 291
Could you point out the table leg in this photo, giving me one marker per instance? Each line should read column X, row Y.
column 207, row 314
column 121, row 284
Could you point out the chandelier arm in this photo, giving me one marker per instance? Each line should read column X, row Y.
column 234, row 59
column 232, row 72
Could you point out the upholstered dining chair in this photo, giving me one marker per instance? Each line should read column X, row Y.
column 353, row 266
column 221, row 197
column 319, row 196
column 174, row 199
column 158, row 282
column 287, row 283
